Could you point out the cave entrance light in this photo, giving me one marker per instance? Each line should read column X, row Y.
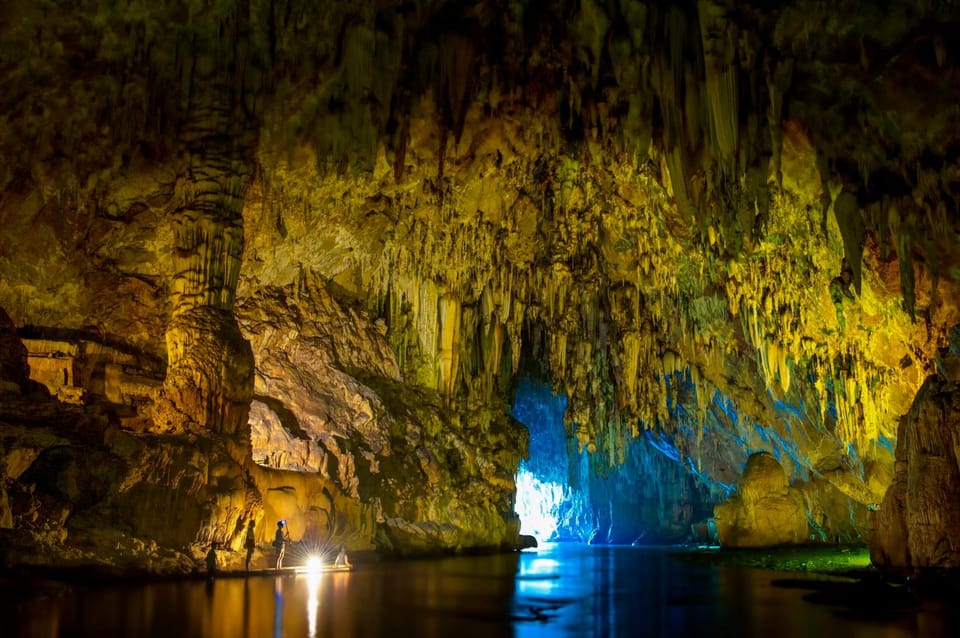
column 538, row 505
column 543, row 493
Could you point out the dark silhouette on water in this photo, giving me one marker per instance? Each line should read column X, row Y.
column 212, row 560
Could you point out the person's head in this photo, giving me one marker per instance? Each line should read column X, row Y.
column 250, row 524
column 281, row 524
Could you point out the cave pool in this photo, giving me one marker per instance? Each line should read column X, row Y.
column 556, row 590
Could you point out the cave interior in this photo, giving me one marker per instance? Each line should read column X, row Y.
column 433, row 276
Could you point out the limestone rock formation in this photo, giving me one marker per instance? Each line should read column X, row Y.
column 399, row 471
column 287, row 259
column 918, row 524
column 765, row 512
column 14, row 371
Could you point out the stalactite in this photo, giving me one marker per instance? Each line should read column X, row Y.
column 778, row 83
column 852, row 230
column 901, row 218
column 449, row 316
column 719, row 37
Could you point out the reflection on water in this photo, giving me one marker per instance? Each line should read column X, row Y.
column 313, row 602
column 559, row 590
column 277, row 606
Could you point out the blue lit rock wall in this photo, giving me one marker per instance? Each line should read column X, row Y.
column 552, row 500
column 671, row 480
column 536, row 406
column 565, row 494
column 652, row 498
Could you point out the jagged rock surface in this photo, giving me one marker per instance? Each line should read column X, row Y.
column 329, row 397
column 918, row 525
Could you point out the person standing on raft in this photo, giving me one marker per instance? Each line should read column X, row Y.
column 280, row 540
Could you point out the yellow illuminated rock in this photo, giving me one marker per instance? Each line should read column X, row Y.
column 766, row 512
column 300, row 264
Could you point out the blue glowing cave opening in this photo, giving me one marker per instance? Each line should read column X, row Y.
column 544, row 495
column 538, row 505
column 564, row 494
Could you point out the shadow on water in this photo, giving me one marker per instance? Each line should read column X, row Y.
column 560, row 590
column 927, row 608
column 871, row 599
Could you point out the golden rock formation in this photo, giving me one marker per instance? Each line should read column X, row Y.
column 918, row 523
column 766, row 512
column 297, row 255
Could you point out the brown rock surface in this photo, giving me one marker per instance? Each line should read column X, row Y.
column 918, row 525
column 14, row 371
column 391, row 467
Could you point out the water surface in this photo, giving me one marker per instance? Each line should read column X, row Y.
column 558, row 590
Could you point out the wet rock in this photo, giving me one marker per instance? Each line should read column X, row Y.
column 526, row 542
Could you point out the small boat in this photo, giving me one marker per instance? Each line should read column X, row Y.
column 303, row 569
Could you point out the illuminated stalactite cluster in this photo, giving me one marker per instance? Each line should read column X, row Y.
column 606, row 297
column 651, row 204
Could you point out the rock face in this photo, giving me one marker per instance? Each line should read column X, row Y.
column 14, row 371
column 297, row 258
column 918, row 525
column 331, row 409
column 766, row 512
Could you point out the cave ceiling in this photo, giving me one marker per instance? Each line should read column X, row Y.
column 754, row 200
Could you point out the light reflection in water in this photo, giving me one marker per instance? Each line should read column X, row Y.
column 537, row 576
column 558, row 590
column 246, row 607
column 313, row 601
column 277, row 607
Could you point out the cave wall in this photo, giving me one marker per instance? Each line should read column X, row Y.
column 745, row 210
column 328, row 383
column 916, row 528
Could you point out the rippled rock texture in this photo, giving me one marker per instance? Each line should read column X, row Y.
column 918, row 525
column 292, row 259
column 330, row 407
column 766, row 511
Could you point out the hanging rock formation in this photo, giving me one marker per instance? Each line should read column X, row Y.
column 283, row 259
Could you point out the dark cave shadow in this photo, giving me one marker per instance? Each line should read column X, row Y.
column 288, row 419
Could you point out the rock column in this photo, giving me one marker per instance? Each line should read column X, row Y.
column 14, row 371
column 918, row 525
column 209, row 380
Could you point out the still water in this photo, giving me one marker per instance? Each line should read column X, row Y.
column 558, row 590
